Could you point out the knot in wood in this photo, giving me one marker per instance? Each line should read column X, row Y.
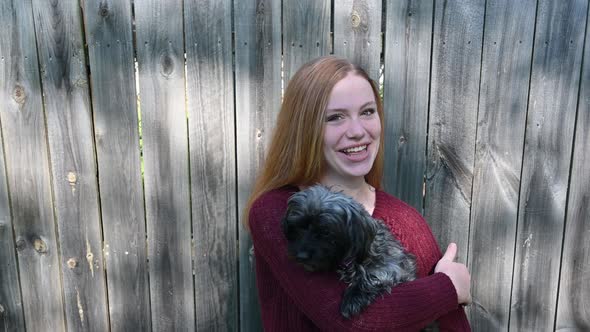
column 40, row 246
column 103, row 10
column 167, row 65
column 72, row 263
column 18, row 94
column 355, row 19
column 72, row 178
column 21, row 244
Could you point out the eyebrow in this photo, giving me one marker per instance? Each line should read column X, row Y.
column 369, row 103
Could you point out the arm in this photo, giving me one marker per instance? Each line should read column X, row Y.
column 410, row 306
column 456, row 319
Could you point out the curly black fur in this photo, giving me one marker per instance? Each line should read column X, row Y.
column 329, row 231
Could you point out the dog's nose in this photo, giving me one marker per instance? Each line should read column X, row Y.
column 302, row 256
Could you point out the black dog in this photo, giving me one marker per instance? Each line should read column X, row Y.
column 329, row 231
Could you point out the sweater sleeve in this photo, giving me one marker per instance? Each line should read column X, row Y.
column 409, row 306
column 455, row 320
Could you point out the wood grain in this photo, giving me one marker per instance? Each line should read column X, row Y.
column 258, row 99
column 408, row 41
column 306, row 33
column 160, row 57
column 555, row 78
column 210, row 98
column 357, row 33
column 71, row 144
column 574, row 288
column 500, row 139
column 11, row 302
column 456, row 59
column 27, row 170
column 110, row 48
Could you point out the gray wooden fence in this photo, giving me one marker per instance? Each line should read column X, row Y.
column 131, row 132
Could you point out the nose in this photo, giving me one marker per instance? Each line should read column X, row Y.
column 355, row 129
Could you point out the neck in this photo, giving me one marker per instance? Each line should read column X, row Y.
column 356, row 188
column 351, row 187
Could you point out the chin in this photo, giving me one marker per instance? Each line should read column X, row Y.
column 358, row 170
column 357, row 173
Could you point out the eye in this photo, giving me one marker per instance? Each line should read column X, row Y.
column 368, row 111
column 334, row 117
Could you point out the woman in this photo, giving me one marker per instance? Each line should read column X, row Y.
column 329, row 131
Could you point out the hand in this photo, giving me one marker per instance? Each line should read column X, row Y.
column 457, row 272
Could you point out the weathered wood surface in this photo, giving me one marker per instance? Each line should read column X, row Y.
column 405, row 97
column 60, row 45
column 557, row 58
column 11, row 303
column 110, row 48
column 498, row 160
column 258, row 99
column 357, row 33
column 456, row 59
column 50, row 155
column 210, row 98
column 574, row 286
column 27, row 170
column 306, row 33
column 160, row 57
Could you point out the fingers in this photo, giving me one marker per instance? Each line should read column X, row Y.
column 451, row 253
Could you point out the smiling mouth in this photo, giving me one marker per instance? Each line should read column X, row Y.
column 356, row 149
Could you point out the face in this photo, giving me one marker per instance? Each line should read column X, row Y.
column 352, row 128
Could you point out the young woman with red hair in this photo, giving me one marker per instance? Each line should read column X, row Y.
column 329, row 131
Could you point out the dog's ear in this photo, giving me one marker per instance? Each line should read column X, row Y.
column 362, row 233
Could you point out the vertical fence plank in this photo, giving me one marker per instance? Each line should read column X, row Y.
column 500, row 138
column 11, row 306
column 357, row 33
column 110, row 47
column 160, row 57
column 557, row 58
column 306, row 33
column 574, row 288
column 258, row 99
column 27, row 169
column 456, row 59
column 212, row 161
column 405, row 93
column 69, row 129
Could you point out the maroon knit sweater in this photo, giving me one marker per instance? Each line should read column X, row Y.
column 293, row 299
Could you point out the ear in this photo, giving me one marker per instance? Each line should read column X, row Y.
column 361, row 233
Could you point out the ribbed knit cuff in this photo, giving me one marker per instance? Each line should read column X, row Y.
column 450, row 299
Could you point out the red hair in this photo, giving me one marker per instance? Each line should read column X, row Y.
column 295, row 155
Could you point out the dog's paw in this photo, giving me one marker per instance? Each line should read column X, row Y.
column 353, row 302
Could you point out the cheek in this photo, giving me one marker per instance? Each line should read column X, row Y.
column 331, row 136
column 375, row 128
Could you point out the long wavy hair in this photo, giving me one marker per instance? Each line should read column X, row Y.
column 295, row 155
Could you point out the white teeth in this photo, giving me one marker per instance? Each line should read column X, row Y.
column 355, row 149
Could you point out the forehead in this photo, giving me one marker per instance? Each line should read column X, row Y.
column 351, row 92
